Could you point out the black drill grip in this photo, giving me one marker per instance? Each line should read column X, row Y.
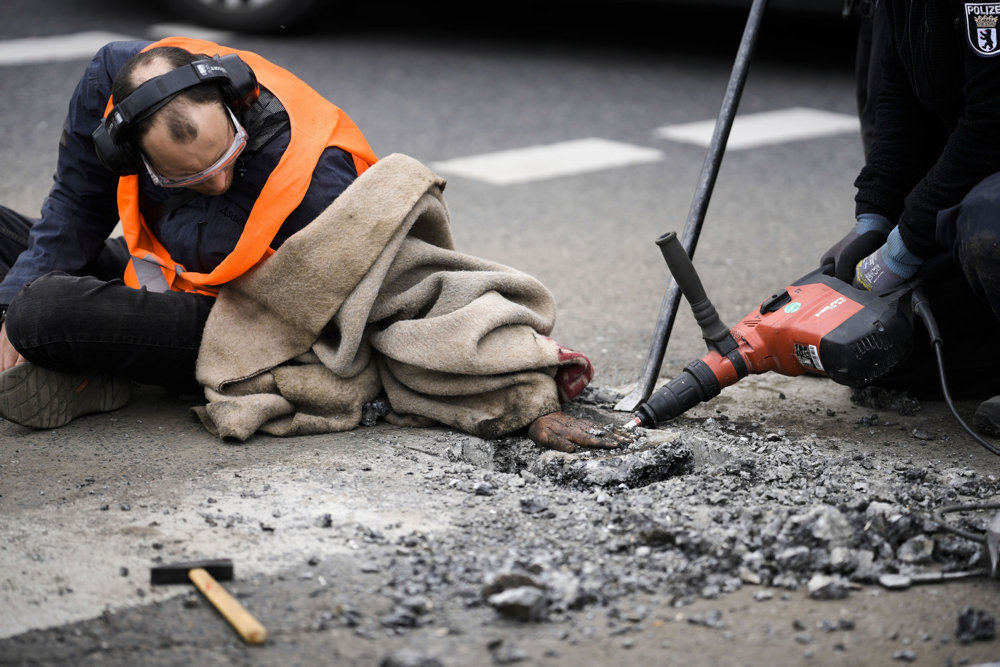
column 696, row 384
column 682, row 269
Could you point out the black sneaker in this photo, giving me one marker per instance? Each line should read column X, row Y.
column 986, row 418
column 40, row 398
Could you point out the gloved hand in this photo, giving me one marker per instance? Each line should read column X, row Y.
column 888, row 267
column 868, row 234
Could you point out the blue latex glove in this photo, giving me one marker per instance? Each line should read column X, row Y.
column 867, row 235
column 888, row 267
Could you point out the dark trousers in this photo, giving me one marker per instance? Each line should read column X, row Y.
column 871, row 41
column 94, row 323
column 963, row 287
column 972, row 231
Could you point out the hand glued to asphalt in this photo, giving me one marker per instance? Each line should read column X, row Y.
column 564, row 433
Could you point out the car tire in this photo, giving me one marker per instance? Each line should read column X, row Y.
column 245, row 15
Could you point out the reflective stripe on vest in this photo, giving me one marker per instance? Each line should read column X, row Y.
column 151, row 274
column 316, row 125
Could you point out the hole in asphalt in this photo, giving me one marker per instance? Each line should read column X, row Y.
column 654, row 456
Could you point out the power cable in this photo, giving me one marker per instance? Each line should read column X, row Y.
column 921, row 306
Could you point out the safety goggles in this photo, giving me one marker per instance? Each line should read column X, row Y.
column 239, row 143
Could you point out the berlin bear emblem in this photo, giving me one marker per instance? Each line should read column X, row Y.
column 981, row 27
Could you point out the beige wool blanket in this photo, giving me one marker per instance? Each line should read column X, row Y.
column 371, row 297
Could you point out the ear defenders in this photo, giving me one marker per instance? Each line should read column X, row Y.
column 111, row 138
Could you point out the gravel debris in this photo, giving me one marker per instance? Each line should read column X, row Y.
column 975, row 624
column 687, row 513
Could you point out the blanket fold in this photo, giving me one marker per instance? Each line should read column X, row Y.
column 371, row 297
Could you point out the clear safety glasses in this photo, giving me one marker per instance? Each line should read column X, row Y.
column 239, row 143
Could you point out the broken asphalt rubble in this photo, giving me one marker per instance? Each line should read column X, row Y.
column 757, row 514
column 698, row 513
column 687, row 513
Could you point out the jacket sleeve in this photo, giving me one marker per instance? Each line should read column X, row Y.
column 920, row 164
column 896, row 163
column 80, row 211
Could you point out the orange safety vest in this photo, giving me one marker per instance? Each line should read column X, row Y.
column 316, row 124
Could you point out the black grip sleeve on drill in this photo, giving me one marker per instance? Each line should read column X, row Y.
column 697, row 383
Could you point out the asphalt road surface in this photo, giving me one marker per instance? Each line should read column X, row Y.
column 571, row 140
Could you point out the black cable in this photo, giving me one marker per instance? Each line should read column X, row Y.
column 971, row 507
column 922, row 308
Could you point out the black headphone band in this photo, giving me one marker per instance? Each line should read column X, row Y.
column 234, row 77
column 153, row 94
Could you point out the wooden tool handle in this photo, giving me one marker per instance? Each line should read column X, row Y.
column 249, row 627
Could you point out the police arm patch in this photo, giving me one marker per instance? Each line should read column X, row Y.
column 981, row 27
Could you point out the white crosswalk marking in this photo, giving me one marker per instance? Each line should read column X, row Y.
column 768, row 127
column 508, row 167
column 78, row 46
column 542, row 162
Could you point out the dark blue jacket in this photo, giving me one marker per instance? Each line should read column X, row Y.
column 81, row 210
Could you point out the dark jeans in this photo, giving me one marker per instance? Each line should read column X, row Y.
column 94, row 323
column 871, row 40
column 972, row 231
column 963, row 286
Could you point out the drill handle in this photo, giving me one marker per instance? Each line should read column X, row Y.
column 684, row 273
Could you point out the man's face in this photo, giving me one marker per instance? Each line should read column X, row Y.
column 176, row 161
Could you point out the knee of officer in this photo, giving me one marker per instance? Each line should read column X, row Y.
column 976, row 247
column 976, row 216
column 977, row 237
column 979, row 257
column 971, row 230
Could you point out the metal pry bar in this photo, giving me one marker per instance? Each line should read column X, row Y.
column 696, row 214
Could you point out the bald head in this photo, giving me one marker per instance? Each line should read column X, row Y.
column 188, row 135
column 177, row 113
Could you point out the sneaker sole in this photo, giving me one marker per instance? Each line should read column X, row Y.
column 39, row 398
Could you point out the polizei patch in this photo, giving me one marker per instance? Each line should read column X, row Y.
column 981, row 27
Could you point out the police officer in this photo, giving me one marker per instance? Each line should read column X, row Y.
column 925, row 197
